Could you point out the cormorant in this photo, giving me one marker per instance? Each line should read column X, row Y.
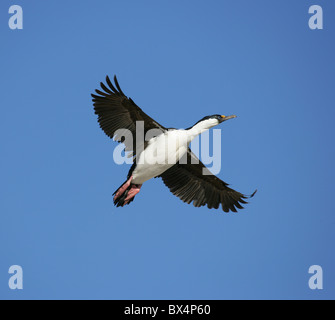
column 185, row 179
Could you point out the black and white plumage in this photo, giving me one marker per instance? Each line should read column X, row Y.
column 185, row 179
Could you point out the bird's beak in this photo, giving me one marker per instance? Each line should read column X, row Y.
column 224, row 118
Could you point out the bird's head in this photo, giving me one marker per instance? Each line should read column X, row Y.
column 212, row 121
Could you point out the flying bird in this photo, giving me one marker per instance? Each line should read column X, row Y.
column 118, row 114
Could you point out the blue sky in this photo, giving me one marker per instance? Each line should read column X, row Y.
column 179, row 61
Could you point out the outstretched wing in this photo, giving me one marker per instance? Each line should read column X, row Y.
column 188, row 182
column 117, row 112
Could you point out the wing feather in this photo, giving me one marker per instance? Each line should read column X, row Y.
column 188, row 182
column 116, row 111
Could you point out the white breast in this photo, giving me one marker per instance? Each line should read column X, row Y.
column 161, row 154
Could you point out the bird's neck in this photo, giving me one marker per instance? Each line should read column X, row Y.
column 197, row 129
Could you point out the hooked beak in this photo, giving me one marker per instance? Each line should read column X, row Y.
column 224, row 118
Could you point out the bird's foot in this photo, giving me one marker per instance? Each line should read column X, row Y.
column 123, row 188
column 133, row 191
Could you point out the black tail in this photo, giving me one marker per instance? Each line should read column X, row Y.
column 120, row 200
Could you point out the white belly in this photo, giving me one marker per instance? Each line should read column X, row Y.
column 161, row 154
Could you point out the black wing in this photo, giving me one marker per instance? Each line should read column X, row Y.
column 188, row 182
column 117, row 112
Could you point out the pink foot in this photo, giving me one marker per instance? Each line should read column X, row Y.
column 134, row 190
column 123, row 188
